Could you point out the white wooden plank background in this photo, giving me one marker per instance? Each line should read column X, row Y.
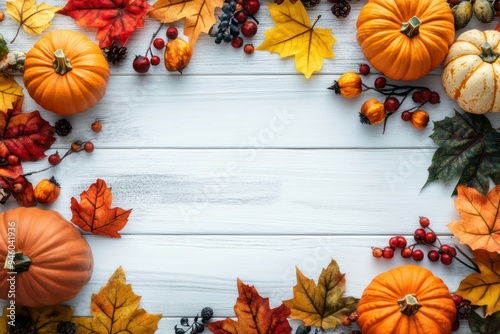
column 242, row 168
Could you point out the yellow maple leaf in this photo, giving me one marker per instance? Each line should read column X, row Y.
column 295, row 36
column 33, row 18
column 321, row 305
column 10, row 93
column 115, row 310
column 483, row 288
column 199, row 15
column 42, row 320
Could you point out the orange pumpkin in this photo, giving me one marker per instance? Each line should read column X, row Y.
column 44, row 255
column 65, row 72
column 372, row 112
column 405, row 39
column 408, row 299
column 178, row 53
column 47, row 191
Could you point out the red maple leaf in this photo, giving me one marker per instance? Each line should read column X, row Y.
column 94, row 212
column 25, row 135
column 254, row 315
column 114, row 19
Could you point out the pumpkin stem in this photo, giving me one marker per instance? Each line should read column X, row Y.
column 409, row 304
column 54, row 181
column 487, row 53
column 18, row 263
column 62, row 64
column 410, row 28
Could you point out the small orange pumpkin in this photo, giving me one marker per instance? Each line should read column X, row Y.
column 178, row 53
column 349, row 85
column 65, row 72
column 372, row 112
column 405, row 39
column 419, row 119
column 50, row 258
column 408, row 299
column 47, row 191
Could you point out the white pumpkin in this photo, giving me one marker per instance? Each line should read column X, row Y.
column 471, row 71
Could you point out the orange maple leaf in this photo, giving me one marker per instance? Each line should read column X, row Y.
column 94, row 213
column 480, row 226
column 199, row 15
column 254, row 315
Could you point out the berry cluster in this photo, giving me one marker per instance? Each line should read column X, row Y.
column 196, row 326
column 423, row 236
column 420, row 95
column 142, row 64
column 463, row 310
column 234, row 21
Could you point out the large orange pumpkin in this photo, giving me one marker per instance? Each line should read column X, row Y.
column 405, row 39
column 65, row 72
column 52, row 260
column 408, row 299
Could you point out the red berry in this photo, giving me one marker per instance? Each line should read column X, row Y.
column 455, row 325
column 237, row 42
column 155, row 60
column 417, row 96
column 159, row 43
column 391, row 104
column 249, row 29
column 377, row 252
column 252, row 6
column 455, row 2
column 380, row 82
column 406, row 115
column 353, row 316
column 17, row 188
column 424, row 222
column 406, row 252
column 346, row 321
column 88, row 147
column 457, row 299
column 401, row 241
column 448, row 250
column 425, row 95
column 393, row 242
column 419, row 234
column 364, row 69
column 446, row 259
column 241, row 16
column 96, row 126
column 141, row 64
column 496, row 5
column 12, row 159
column 430, row 237
column 54, row 159
column 248, row 49
column 172, row 33
column 434, row 99
column 388, row 253
column 433, row 255
column 417, row 255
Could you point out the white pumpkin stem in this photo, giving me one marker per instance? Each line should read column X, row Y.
column 18, row 263
column 410, row 28
column 62, row 64
column 409, row 304
column 487, row 53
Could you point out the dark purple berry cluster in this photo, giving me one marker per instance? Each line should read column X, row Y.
column 198, row 325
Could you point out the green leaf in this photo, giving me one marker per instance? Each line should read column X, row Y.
column 469, row 148
column 488, row 325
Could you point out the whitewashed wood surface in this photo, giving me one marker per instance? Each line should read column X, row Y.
column 242, row 168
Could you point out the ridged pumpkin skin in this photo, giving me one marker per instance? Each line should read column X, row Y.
column 62, row 261
column 379, row 312
column 467, row 77
column 392, row 52
column 78, row 89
